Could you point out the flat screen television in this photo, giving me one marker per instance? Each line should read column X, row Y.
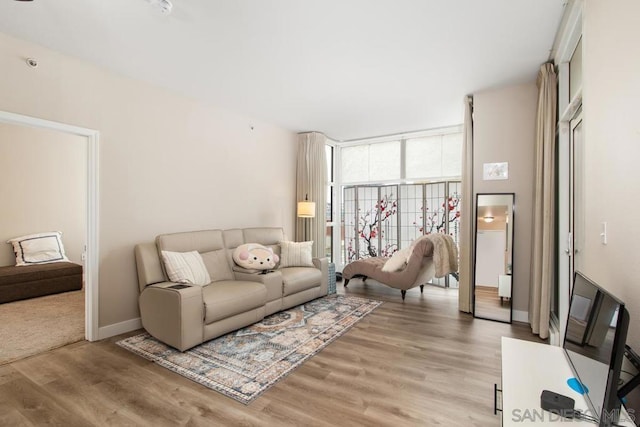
column 594, row 343
column 629, row 384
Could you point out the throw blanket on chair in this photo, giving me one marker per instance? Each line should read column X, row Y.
column 445, row 253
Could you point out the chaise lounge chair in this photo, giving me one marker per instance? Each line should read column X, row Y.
column 433, row 255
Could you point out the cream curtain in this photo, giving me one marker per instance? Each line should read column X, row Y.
column 543, row 244
column 312, row 183
column 466, row 215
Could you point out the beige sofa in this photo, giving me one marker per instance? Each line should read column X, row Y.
column 185, row 316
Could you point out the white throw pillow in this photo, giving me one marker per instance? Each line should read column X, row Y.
column 40, row 248
column 186, row 267
column 398, row 260
column 296, row 254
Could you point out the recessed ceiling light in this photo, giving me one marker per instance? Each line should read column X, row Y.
column 488, row 219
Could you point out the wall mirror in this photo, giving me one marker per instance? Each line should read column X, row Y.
column 493, row 266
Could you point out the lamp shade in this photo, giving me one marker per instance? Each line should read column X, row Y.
column 306, row 209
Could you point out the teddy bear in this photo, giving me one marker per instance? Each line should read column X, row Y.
column 253, row 256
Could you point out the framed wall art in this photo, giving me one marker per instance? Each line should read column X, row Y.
column 494, row 171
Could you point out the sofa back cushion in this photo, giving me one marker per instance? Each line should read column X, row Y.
column 217, row 265
column 209, row 243
column 201, row 241
column 266, row 236
column 234, row 238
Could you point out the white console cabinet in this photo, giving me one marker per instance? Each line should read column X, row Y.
column 527, row 369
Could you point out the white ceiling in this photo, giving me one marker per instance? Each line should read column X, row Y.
column 348, row 68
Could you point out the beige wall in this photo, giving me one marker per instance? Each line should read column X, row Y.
column 167, row 163
column 503, row 131
column 43, row 187
column 611, row 103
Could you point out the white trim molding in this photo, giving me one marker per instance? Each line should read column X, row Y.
column 93, row 290
column 569, row 32
column 119, row 328
column 92, row 265
column 555, row 336
column 520, row 316
column 567, row 40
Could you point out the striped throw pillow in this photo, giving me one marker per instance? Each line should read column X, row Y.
column 186, row 267
column 296, row 254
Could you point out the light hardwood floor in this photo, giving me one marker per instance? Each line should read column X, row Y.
column 490, row 306
column 420, row 362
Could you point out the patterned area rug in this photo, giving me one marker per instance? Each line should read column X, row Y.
column 245, row 363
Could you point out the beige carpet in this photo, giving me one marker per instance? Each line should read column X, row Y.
column 36, row 325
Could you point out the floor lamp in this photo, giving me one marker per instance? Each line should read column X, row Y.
column 306, row 209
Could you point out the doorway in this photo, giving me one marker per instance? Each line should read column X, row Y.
column 91, row 212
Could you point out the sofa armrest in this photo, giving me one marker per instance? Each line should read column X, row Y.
column 323, row 265
column 175, row 316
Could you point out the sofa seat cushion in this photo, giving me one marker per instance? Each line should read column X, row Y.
column 298, row 279
column 230, row 297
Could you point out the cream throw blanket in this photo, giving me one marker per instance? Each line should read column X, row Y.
column 445, row 253
column 443, row 262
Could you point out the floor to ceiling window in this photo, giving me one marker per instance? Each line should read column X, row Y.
column 395, row 189
column 380, row 219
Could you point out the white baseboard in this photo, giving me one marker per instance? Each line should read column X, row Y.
column 521, row 316
column 554, row 335
column 119, row 328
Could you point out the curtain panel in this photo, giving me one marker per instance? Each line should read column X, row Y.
column 312, row 184
column 467, row 217
column 543, row 243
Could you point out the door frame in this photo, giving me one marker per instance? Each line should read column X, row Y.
column 566, row 42
column 576, row 163
column 92, row 259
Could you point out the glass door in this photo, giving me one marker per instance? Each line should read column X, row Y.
column 576, row 197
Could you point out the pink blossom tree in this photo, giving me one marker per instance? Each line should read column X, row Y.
column 370, row 227
column 436, row 219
